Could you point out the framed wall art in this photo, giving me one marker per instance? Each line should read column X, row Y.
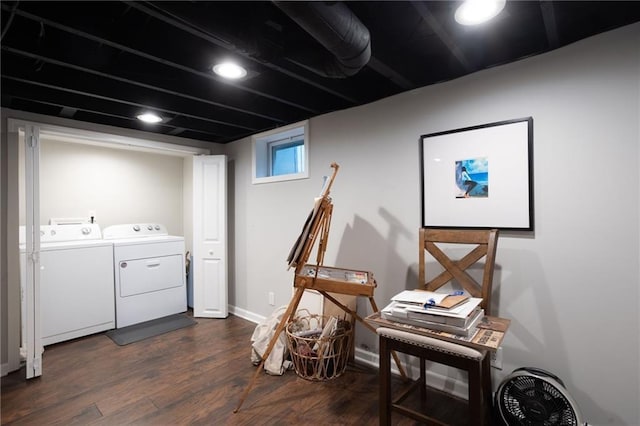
column 479, row 177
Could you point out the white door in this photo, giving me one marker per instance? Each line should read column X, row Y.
column 33, row 342
column 210, row 236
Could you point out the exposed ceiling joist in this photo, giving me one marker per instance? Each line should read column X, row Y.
column 104, row 62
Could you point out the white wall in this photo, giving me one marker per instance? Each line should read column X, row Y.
column 553, row 285
column 120, row 186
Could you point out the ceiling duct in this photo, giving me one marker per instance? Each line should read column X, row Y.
column 334, row 26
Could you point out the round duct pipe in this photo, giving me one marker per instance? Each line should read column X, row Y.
column 334, row 26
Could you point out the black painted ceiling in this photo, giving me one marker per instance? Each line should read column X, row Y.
column 105, row 62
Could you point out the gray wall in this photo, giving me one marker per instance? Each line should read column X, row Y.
column 584, row 99
column 9, row 295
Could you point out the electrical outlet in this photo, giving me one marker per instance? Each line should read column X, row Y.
column 272, row 298
column 496, row 358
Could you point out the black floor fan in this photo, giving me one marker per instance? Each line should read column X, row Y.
column 534, row 397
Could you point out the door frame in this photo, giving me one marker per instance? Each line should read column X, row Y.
column 32, row 341
column 11, row 217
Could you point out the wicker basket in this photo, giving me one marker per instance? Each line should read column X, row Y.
column 314, row 357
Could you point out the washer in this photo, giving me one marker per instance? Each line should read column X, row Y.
column 149, row 272
column 76, row 281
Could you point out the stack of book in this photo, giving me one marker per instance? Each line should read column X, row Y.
column 456, row 313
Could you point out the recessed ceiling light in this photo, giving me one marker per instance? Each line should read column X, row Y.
column 149, row 117
column 474, row 12
column 230, row 70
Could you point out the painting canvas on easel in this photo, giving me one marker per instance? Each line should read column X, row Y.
column 296, row 250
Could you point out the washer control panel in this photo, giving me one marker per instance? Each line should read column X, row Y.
column 69, row 232
column 134, row 230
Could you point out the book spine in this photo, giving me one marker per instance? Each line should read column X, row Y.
column 441, row 319
column 459, row 331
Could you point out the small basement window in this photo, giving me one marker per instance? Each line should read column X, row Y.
column 281, row 154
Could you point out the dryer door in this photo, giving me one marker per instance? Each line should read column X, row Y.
column 147, row 275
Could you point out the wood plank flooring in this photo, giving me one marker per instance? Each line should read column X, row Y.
column 191, row 376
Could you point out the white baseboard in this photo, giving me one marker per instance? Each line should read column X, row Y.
column 435, row 380
column 6, row 368
column 244, row 314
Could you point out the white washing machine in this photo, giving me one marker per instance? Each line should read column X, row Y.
column 149, row 272
column 76, row 281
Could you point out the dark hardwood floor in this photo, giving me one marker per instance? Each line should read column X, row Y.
column 195, row 375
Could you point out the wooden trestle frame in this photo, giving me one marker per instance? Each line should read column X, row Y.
column 317, row 225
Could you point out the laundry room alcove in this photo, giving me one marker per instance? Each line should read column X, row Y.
column 103, row 179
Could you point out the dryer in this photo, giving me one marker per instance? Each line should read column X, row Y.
column 76, row 281
column 149, row 272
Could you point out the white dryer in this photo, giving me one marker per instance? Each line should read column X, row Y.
column 149, row 272
column 76, row 281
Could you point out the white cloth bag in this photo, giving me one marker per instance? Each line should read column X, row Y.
column 276, row 364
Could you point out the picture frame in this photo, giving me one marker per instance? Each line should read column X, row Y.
column 479, row 177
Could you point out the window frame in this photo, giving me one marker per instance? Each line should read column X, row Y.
column 262, row 145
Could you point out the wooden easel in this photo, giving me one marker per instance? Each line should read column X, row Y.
column 307, row 276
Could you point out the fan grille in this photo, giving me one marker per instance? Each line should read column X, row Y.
column 529, row 400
